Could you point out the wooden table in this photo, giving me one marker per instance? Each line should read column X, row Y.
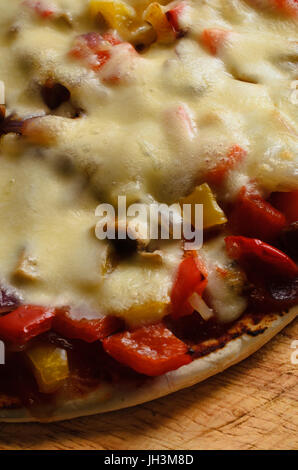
column 251, row 406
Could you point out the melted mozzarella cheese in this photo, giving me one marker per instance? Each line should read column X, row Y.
column 128, row 140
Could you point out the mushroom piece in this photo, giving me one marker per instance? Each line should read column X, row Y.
column 27, row 268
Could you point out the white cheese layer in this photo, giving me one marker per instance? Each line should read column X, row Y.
column 128, row 140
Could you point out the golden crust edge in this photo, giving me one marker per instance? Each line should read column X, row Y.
column 108, row 398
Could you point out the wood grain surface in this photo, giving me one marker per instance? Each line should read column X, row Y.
column 253, row 405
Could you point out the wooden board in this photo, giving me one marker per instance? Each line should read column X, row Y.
column 251, row 406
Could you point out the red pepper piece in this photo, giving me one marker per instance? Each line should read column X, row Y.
column 287, row 203
column 214, row 38
column 173, row 17
column 218, row 174
column 259, row 258
column 252, row 216
column 288, row 7
column 111, row 39
column 40, row 7
column 189, row 280
column 93, row 48
column 86, row 330
column 25, row 323
column 151, row 350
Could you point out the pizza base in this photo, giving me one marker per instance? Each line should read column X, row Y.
column 110, row 398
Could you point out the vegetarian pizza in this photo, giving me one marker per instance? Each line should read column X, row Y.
column 190, row 101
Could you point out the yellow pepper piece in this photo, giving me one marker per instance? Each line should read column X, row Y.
column 149, row 312
column 50, row 366
column 212, row 213
column 156, row 16
column 116, row 13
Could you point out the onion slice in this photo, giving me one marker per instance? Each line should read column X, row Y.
column 10, row 299
column 200, row 306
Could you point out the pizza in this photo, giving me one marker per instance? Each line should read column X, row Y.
column 169, row 103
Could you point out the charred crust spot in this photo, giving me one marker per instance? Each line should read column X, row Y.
column 54, row 94
column 206, row 349
column 255, row 333
column 203, row 338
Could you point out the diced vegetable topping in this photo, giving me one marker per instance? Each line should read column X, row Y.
column 212, row 214
column 138, row 26
column 27, row 268
column 289, row 7
column 9, row 299
column 286, row 7
column 49, row 365
column 252, row 216
column 275, row 296
column 287, row 203
column 200, row 306
column 214, row 39
column 259, row 258
column 189, row 279
column 174, row 15
column 267, row 275
column 224, row 165
column 86, row 330
column 156, row 16
column 25, row 323
column 180, row 121
column 93, row 49
column 42, row 8
column 117, row 14
column 150, row 350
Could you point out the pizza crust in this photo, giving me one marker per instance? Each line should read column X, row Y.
column 109, row 398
